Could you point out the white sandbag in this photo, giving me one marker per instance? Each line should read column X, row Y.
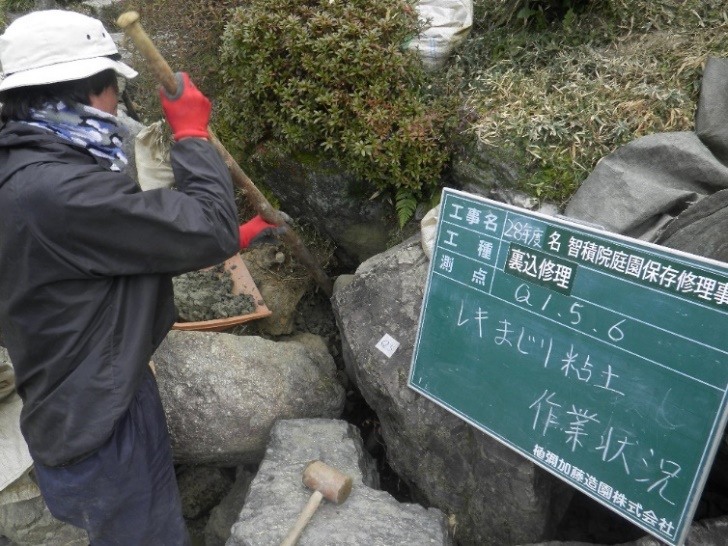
column 428, row 231
column 448, row 23
column 151, row 148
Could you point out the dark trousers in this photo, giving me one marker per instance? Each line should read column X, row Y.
column 125, row 493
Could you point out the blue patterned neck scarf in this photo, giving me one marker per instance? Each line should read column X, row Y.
column 85, row 126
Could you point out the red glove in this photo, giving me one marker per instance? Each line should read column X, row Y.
column 258, row 232
column 188, row 111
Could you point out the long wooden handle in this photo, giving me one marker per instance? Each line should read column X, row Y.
column 303, row 519
column 129, row 22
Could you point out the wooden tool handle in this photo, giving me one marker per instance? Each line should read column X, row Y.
column 129, row 22
column 303, row 519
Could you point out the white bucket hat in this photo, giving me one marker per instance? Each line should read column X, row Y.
column 54, row 46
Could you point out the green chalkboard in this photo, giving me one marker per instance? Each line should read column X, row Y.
column 602, row 359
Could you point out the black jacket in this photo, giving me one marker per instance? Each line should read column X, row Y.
column 86, row 260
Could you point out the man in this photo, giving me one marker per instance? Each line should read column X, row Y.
column 86, row 260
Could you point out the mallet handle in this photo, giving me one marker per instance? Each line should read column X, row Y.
column 303, row 519
column 129, row 22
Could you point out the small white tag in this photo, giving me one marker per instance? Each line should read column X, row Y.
column 388, row 345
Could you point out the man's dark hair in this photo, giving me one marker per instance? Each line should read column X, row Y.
column 17, row 102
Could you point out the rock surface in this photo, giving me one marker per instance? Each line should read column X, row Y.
column 225, row 514
column 339, row 204
column 496, row 496
column 201, row 489
column 223, row 393
column 280, row 286
column 28, row 522
column 367, row 517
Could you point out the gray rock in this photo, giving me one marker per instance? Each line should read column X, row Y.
column 126, row 54
column 557, row 543
column 44, row 4
column 493, row 173
column 496, row 496
column 280, row 295
column 224, row 515
column 368, row 517
column 712, row 532
column 321, row 193
column 201, row 489
column 98, row 7
column 483, row 169
column 30, row 523
column 222, row 393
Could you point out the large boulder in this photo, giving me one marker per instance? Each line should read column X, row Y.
column 339, row 204
column 495, row 495
column 367, row 516
column 486, row 170
column 26, row 521
column 222, row 393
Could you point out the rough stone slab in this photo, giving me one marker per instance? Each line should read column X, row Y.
column 368, row 517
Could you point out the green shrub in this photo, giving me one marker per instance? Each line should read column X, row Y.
column 332, row 77
column 17, row 5
column 536, row 13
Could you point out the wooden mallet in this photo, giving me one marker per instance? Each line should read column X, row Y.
column 326, row 482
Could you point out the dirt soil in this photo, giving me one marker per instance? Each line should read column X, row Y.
column 207, row 295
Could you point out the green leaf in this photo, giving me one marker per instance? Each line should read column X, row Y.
column 405, row 205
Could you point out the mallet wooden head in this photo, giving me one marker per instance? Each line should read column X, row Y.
column 331, row 483
column 327, row 483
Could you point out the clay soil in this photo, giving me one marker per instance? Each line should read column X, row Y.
column 207, row 295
